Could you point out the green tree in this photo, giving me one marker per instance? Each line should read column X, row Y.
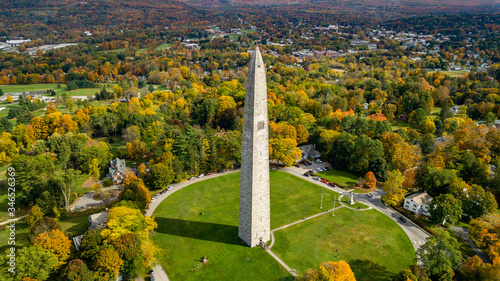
column 32, row 262
column 66, row 180
column 445, row 208
column 128, row 247
column 77, row 270
column 440, row 255
column 91, row 244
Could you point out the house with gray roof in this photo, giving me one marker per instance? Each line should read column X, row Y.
column 117, row 170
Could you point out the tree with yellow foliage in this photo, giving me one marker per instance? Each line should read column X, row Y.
column 329, row 271
column 56, row 242
column 123, row 220
column 284, row 151
column 393, row 187
column 10, row 99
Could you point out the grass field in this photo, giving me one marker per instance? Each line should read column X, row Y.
column 454, row 73
column 371, row 243
column 341, row 178
column 186, row 236
column 163, row 46
column 45, row 87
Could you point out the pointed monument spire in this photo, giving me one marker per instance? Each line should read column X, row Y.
column 254, row 223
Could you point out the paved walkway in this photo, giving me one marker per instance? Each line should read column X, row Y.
column 464, row 233
column 13, row 220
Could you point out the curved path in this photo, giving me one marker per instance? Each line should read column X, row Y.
column 416, row 235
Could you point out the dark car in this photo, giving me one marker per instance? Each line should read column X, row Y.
column 221, row 171
column 402, row 219
column 297, row 165
column 306, row 174
column 311, row 171
column 332, row 184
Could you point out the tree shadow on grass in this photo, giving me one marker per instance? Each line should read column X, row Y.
column 370, row 271
column 221, row 233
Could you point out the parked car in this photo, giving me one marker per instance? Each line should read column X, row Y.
column 316, row 178
column 370, row 194
column 311, row 171
column 332, row 184
column 191, row 178
column 306, row 174
column 169, row 188
column 326, row 168
column 153, row 199
column 200, row 176
column 208, row 174
column 221, row 171
column 163, row 191
column 402, row 219
column 297, row 165
column 324, row 181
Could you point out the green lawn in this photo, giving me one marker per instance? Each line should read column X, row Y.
column 347, row 199
column 371, row 243
column 163, row 46
column 454, row 73
column 74, row 226
column 341, row 178
column 44, row 87
column 185, row 236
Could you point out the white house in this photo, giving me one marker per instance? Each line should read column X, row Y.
column 419, row 203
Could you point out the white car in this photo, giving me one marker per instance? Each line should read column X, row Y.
column 169, row 188
column 202, row 175
column 153, row 199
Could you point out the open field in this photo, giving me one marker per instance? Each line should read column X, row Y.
column 371, row 243
column 186, row 235
column 341, row 178
column 163, row 46
column 45, row 87
column 453, row 73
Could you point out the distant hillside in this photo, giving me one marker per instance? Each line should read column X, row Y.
column 394, row 7
column 117, row 13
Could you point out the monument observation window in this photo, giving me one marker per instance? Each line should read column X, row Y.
column 260, row 125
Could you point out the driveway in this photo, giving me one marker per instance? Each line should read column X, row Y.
column 87, row 200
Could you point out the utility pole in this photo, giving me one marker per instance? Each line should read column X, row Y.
column 322, row 190
column 334, row 201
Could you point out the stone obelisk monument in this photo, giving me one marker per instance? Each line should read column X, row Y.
column 254, row 224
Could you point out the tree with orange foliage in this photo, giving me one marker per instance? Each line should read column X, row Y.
column 331, row 271
column 370, row 180
column 10, row 99
column 377, row 117
column 56, row 242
